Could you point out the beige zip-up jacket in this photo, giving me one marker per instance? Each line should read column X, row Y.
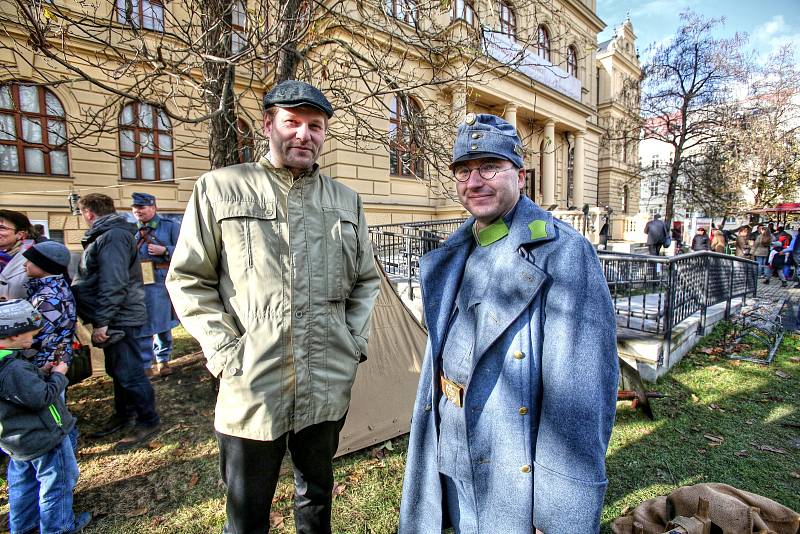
column 276, row 279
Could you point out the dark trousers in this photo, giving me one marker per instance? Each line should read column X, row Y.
column 654, row 250
column 250, row 470
column 133, row 393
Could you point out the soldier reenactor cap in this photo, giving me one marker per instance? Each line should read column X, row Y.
column 143, row 199
column 487, row 136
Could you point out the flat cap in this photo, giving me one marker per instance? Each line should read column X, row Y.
column 294, row 93
column 143, row 199
column 487, row 136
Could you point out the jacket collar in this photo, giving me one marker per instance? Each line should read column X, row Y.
column 286, row 175
column 515, row 277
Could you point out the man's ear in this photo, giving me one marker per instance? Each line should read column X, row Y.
column 267, row 124
column 521, row 178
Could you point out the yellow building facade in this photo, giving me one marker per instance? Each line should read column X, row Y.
column 537, row 65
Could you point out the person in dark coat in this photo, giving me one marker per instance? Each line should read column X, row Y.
column 700, row 241
column 109, row 294
column 156, row 238
column 656, row 231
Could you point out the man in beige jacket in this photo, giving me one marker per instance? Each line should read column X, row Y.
column 273, row 274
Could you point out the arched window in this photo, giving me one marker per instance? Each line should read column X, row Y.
column 145, row 143
column 543, row 42
column 404, row 10
column 33, row 131
column 244, row 141
column 465, row 10
column 572, row 61
column 147, row 14
column 508, row 20
column 404, row 159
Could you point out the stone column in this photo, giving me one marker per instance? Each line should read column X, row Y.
column 549, row 165
column 511, row 114
column 578, row 170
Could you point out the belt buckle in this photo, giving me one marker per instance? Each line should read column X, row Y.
column 453, row 391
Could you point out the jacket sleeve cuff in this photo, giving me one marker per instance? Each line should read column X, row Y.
column 560, row 500
column 223, row 358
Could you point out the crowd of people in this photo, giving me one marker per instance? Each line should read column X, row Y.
column 272, row 273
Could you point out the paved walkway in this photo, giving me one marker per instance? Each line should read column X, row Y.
column 776, row 295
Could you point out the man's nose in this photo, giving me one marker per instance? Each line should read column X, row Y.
column 475, row 179
column 303, row 133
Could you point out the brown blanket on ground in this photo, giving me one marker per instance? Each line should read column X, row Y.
column 733, row 510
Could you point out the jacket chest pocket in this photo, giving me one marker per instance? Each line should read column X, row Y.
column 243, row 224
column 341, row 251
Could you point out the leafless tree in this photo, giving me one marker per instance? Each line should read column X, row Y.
column 688, row 93
column 207, row 62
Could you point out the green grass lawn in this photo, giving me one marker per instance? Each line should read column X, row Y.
column 717, row 425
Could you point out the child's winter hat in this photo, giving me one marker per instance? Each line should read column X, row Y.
column 17, row 317
column 50, row 256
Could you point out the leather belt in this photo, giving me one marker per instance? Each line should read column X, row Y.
column 452, row 390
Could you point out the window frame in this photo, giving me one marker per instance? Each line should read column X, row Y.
column 138, row 155
column 139, row 14
column 572, row 61
column 543, row 49
column 44, row 118
column 397, row 152
column 465, row 10
column 508, row 20
column 403, row 10
column 238, row 31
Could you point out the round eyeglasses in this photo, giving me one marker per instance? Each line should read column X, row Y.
column 487, row 171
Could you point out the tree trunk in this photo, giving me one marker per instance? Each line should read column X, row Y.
column 223, row 142
column 286, row 66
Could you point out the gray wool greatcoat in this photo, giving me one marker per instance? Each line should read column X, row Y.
column 541, row 399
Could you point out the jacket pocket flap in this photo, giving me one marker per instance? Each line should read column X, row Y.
column 344, row 215
column 228, row 209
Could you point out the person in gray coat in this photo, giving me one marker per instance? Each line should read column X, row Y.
column 656, row 231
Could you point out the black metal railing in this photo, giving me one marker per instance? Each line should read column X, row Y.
column 653, row 293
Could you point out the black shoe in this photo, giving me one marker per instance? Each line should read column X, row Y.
column 783, row 283
column 113, row 425
column 766, row 282
column 139, row 436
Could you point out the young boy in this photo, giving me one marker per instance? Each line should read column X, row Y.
column 34, row 431
column 49, row 292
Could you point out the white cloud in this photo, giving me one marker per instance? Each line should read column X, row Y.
column 769, row 37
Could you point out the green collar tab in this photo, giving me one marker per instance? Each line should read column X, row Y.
column 4, row 353
column 538, row 229
column 491, row 234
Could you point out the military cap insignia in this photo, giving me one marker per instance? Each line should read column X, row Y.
column 518, row 150
column 470, row 119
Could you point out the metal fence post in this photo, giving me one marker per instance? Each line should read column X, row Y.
column 408, row 266
column 704, row 295
column 730, row 291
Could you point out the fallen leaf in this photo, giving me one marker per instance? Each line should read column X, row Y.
column 338, row 489
column 795, row 474
column 735, row 363
column 377, row 452
column 695, row 398
column 388, row 445
column 711, row 437
column 154, row 445
column 742, row 453
column 781, row 374
column 625, row 510
column 194, row 480
column 795, row 359
column 749, row 422
column 157, row 520
column 702, row 451
column 136, row 512
column 275, row 520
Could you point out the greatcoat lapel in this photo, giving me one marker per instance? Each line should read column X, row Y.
column 514, row 278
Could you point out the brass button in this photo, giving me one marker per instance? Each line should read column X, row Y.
column 476, row 136
column 525, row 469
column 523, row 411
column 473, row 147
column 519, row 355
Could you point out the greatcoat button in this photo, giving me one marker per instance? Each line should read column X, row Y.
column 523, row 411
column 525, row 469
column 233, row 370
column 298, row 314
column 519, row 355
column 476, row 136
column 473, row 147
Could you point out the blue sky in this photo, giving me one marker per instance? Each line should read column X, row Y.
column 769, row 23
